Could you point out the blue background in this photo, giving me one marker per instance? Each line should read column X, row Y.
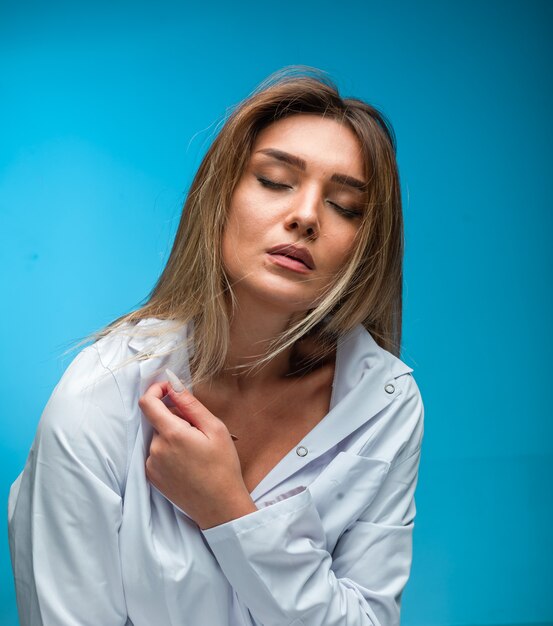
column 105, row 112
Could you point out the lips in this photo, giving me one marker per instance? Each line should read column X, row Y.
column 300, row 253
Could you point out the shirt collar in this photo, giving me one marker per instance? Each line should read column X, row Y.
column 364, row 384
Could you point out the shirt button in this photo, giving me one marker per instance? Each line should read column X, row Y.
column 301, row 451
column 389, row 388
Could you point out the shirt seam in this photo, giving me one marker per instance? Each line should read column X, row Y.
column 126, row 417
column 407, row 458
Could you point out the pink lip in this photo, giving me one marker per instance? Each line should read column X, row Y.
column 293, row 252
column 289, row 263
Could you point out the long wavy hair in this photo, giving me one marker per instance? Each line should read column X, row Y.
column 193, row 286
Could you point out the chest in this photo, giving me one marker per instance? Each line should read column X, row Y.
column 168, row 571
column 268, row 426
column 261, row 446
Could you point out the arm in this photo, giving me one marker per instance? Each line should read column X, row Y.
column 65, row 508
column 278, row 562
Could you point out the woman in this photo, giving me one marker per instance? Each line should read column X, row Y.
column 278, row 488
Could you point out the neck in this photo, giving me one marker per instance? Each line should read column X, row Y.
column 251, row 334
column 253, row 328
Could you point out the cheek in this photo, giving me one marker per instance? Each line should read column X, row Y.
column 341, row 246
column 243, row 216
column 241, row 232
column 230, row 248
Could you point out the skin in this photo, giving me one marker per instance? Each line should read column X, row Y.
column 193, row 461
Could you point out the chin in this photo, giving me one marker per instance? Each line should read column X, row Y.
column 281, row 294
column 289, row 300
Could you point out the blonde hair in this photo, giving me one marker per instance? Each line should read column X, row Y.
column 193, row 286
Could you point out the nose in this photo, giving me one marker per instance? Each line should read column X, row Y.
column 304, row 216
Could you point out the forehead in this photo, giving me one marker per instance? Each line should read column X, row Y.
column 322, row 142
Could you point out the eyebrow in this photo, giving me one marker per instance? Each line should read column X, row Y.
column 295, row 161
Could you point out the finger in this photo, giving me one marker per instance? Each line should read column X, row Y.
column 168, row 402
column 193, row 410
column 176, row 412
column 155, row 411
column 196, row 412
column 158, row 390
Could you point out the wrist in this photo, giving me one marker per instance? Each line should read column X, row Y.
column 238, row 506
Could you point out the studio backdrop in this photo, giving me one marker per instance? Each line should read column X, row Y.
column 106, row 110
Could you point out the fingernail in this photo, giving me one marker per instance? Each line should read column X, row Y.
column 174, row 380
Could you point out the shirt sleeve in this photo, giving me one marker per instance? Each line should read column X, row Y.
column 65, row 508
column 277, row 560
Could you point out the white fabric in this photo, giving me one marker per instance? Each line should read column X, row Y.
column 92, row 542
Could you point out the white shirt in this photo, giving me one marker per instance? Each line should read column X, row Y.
column 93, row 542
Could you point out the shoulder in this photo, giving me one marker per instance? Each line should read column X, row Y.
column 387, row 385
column 92, row 415
column 129, row 359
column 83, row 427
column 139, row 341
column 361, row 360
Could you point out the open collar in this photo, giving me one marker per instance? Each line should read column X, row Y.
column 364, row 376
column 363, row 385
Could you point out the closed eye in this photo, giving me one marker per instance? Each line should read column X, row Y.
column 271, row 184
column 349, row 213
